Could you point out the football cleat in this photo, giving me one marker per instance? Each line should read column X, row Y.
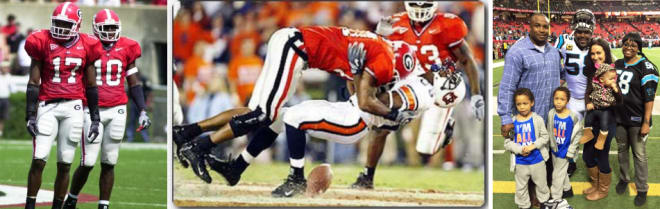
column 179, row 139
column 293, row 185
column 70, row 203
column 363, row 182
column 224, row 167
column 190, row 152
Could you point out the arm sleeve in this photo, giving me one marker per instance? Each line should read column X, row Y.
column 649, row 83
column 33, row 47
column 508, row 84
column 511, row 146
column 543, row 137
column 577, row 134
column 457, row 30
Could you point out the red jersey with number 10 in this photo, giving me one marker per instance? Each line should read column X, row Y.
column 112, row 70
column 327, row 49
column 63, row 66
column 435, row 40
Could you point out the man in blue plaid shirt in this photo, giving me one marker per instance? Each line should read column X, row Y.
column 530, row 63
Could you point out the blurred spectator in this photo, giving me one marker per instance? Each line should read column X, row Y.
column 10, row 28
column 244, row 71
column 5, row 91
column 23, row 59
column 185, row 34
column 214, row 100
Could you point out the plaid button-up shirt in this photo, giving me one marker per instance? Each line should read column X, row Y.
column 527, row 67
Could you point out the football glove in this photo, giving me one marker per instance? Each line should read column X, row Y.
column 32, row 126
column 145, row 122
column 477, row 103
column 356, row 55
column 93, row 131
column 385, row 28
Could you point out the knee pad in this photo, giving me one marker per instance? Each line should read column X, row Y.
column 242, row 124
column 117, row 128
column 76, row 131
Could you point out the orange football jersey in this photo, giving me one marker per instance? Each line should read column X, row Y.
column 435, row 40
column 327, row 49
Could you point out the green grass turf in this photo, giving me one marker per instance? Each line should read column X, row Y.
column 614, row 200
column 345, row 174
column 140, row 175
column 653, row 55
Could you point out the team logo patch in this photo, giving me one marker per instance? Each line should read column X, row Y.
column 569, row 47
column 53, row 46
column 120, row 111
column 449, row 98
column 77, row 107
column 408, row 62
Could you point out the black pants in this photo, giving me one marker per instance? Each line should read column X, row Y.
column 593, row 157
column 598, row 118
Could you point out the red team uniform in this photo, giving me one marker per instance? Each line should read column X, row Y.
column 63, row 69
column 327, row 49
column 111, row 71
column 434, row 43
column 61, row 78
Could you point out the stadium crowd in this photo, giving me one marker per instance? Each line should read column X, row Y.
column 219, row 49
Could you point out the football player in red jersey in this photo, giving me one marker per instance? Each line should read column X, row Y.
column 116, row 64
column 290, row 50
column 60, row 57
column 438, row 37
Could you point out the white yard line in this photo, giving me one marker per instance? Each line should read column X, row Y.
column 498, row 64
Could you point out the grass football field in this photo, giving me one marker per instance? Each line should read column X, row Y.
column 140, row 174
column 504, row 184
column 653, row 54
column 394, row 185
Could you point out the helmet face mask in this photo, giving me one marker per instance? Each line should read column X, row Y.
column 583, row 19
column 107, row 26
column 65, row 21
column 421, row 11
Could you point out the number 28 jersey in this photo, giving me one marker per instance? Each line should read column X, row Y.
column 112, row 70
column 63, row 66
column 638, row 83
column 576, row 80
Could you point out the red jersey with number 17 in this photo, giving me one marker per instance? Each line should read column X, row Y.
column 63, row 65
column 327, row 49
column 112, row 70
column 435, row 40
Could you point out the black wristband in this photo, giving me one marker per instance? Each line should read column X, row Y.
column 137, row 94
column 392, row 115
column 32, row 99
column 92, row 94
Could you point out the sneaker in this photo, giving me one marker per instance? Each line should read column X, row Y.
column 179, row 139
column 193, row 155
column 224, row 168
column 621, row 187
column 292, row 186
column 567, row 194
column 363, row 182
column 70, row 203
column 640, row 199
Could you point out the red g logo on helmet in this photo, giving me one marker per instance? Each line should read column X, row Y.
column 404, row 60
column 65, row 21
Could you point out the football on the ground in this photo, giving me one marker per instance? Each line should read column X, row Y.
column 319, row 180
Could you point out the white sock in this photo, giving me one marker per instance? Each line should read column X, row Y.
column 73, row 196
column 297, row 163
column 104, row 202
column 247, row 156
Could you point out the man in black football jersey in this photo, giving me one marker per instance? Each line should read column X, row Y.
column 638, row 79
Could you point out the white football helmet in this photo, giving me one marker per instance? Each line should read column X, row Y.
column 449, row 90
column 421, row 11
